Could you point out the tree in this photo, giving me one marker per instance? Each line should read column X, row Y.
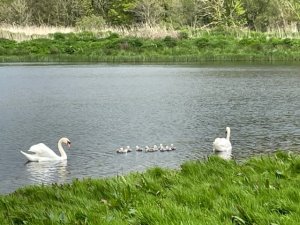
column 121, row 12
column 149, row 12
column 20, row 11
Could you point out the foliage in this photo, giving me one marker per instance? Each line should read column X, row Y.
column 90, row 46
column 90, row 23
column 258, row 15
column 262, row 190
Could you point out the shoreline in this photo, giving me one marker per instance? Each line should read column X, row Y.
column 213, row 47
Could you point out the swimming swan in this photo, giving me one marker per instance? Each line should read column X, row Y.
column 44, row 153
column 222, row 146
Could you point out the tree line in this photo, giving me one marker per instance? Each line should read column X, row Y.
column 258, row 15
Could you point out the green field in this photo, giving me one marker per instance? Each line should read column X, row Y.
column 262, row 190
column 92, row 47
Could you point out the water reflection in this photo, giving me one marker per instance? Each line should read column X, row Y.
column 47, row 172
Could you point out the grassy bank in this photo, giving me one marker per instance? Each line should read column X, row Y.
column 263, row 190
column 110, row 47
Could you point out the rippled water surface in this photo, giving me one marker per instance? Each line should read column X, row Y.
column 102, row 107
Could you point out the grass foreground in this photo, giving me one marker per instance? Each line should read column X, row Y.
column 262, row 190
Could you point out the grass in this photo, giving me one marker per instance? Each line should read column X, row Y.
column 91, row 47
column 25, row 33
column 262, row 190
column 213, row 45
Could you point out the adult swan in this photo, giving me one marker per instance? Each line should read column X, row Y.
column 44, row 153
column 222, row 146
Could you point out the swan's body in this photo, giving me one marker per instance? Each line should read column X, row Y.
column 138, row 149
column 41, row 152
column 173, row 147
column 128, row 149
column 222, row 146
column 122, row 150
column 162, row 148
column 148, row 149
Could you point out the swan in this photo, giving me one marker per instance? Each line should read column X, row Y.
column 148, row 149
column 121, row 150
column 162, row 148
column 155, row 148
column 173, row 147
column 222, row 146
column 138, row 149
column 44, row 153
column 128, row 149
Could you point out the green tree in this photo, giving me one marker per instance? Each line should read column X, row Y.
column 149, row 11
column 121, row 12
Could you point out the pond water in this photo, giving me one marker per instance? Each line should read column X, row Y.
column 103, row 107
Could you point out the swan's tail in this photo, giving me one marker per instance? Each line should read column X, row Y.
column 30, row 157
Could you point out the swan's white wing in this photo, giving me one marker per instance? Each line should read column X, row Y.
column 42, row 150
column 31, row 157
column 222, row 145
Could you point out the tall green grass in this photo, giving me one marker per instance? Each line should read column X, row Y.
column 262, row 190
column 88, row 47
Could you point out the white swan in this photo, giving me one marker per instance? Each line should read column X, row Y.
column 138, row 149
column 162, row 148
column 173, row 147
column 222, row 146
column 121, row 150
column 44, row 153
column 128, row 148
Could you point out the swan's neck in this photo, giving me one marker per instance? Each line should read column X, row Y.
column 228, row 134
column 63, row 154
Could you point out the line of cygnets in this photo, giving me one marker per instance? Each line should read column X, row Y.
column 155, row 148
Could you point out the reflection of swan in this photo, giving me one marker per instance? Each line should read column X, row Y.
column 222, row 146
column 44, row 153
column 48, row 171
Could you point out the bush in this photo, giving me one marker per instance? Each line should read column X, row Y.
column 170, row 42
column 58, row 36
column 86, row 36
column 202, row 42
column 113, row 35
column 90, row 23
column 183, row 35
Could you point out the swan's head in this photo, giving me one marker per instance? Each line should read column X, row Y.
column 66, row 141
column 227, row 130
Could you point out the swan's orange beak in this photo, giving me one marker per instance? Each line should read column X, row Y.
column 69, row 144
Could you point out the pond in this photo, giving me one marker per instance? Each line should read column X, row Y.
column 103, row 107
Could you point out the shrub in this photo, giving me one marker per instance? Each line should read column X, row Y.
column 113, row 35
column 170, row 42
column 90, row 23
column 58, row 36
column 183, row 35
column 202, row 42
column 86, row 36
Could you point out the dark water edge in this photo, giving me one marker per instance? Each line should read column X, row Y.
column 224, row 58
column 216, row 63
